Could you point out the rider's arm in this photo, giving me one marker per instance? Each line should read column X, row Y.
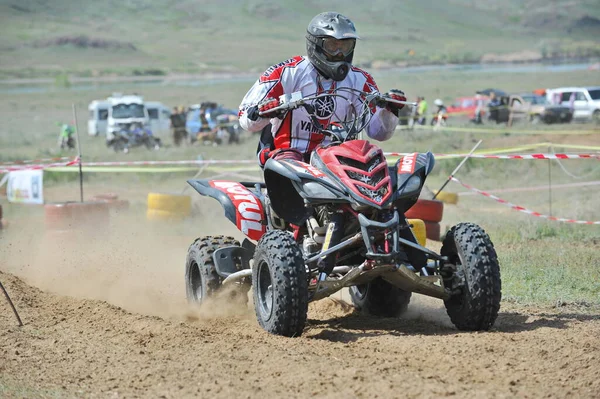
column 383, row 122
column 382, row 125
column 258, row 92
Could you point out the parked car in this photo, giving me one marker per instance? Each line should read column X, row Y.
column 584, row 101
column 466, row 106
column 538, row 109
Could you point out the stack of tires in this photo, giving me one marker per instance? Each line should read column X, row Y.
column 430, row 212
column 168, row 207
column 72, row 225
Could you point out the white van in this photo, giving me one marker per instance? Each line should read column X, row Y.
column 585, row 101
column 98, row 117
column 160, row 117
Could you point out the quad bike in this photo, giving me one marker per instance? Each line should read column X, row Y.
column 339, row 222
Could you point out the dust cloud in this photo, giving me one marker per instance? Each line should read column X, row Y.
column 136, row 264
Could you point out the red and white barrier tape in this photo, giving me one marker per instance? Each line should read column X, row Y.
column 520, row 208
column 509, row 156
column 33, row 161
column 40, row 166
column 137, row 163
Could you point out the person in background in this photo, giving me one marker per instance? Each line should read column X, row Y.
column 440, row 114
column 421, row 111
column 572, row 101
column 178, row 125
column 414, row 114
column 66, row 139
column 494, row 107
column 478, row 110
column 208, row 128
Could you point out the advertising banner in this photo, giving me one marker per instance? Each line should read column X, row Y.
column 25, row 186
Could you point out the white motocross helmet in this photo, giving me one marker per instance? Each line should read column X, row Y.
column 438, row 102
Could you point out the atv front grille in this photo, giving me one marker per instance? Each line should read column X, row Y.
column 374, row 194
column 366, row 176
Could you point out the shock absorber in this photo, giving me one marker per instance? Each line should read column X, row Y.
column 333, row 236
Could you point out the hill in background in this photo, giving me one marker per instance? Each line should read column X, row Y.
column 129, row 37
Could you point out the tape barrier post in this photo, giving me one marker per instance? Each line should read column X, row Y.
column 11, row 305
column 457, row 168
column 78, row 153
column 550, row 184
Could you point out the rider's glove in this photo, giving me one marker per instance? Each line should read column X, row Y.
column 264, row 106
column 252, row 113
column 263, row 156
column 268, row 104
column 397, row 95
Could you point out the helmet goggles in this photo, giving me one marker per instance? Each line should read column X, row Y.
column 333, row 46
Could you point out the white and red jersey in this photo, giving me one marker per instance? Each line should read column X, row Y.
column 296, row 130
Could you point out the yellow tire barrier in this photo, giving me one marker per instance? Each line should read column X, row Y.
column 447, row 197
column 175, row 204
column 418, row 229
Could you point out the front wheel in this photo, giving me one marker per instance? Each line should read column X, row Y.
column 280, row 284
column 475, row 283
column 380, row 298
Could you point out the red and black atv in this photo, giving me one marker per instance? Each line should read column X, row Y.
column 339, row 222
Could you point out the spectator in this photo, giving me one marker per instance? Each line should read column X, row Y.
column 421, row 111
column 494, row 107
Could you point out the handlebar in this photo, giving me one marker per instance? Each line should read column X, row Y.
column 361, row 106
column 295, row 100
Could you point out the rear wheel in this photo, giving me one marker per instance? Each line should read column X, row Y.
column 475, row 283
column 201, row 278
column 380, row 298
column 280, row 284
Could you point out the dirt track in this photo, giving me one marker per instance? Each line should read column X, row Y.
column 153, row 345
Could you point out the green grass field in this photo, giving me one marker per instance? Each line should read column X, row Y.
column 189, row 36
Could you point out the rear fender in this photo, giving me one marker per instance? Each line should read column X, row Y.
column 242, row 207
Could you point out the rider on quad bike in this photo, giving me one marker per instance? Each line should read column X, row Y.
column 330, row 42
column 331, row 212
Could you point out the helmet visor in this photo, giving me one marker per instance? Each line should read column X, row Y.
column 333, row 46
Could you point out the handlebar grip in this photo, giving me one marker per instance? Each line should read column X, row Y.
column 282, row 107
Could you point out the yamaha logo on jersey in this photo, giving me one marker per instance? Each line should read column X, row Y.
column 324, row 107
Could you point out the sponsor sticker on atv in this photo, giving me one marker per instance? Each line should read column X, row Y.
column 408, row 164
column 248, row 208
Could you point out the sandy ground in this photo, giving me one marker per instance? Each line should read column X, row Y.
column 106, row 317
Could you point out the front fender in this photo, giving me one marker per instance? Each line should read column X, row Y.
column 242, row 207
